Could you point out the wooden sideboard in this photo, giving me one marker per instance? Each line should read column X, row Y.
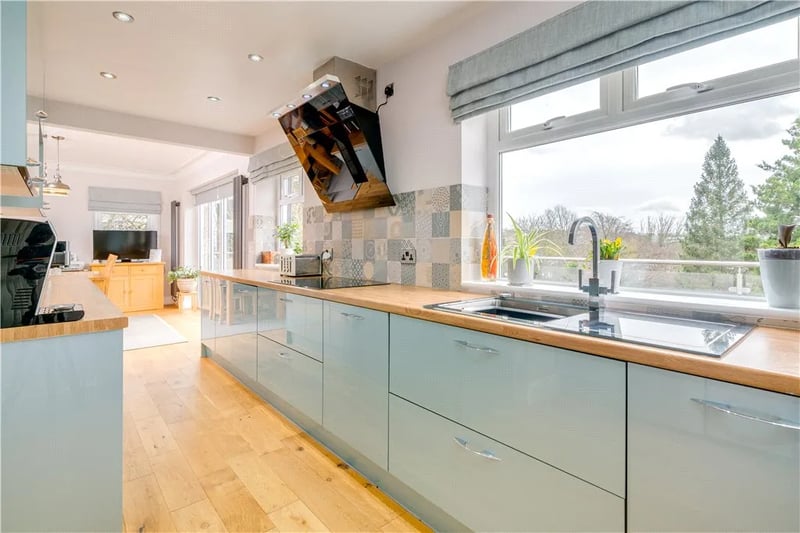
column 135, row 286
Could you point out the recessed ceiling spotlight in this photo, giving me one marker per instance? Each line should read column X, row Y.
column 307, row 96
column 108, row 75
column 290, row 106
column 122, row 17
column 325, row 85
column 255, row 58
column 213, row 98
column 276, row 114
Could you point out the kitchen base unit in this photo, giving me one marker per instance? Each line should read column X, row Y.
column 385, row 481
column 704, row 455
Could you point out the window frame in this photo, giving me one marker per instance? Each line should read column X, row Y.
column 621, row 108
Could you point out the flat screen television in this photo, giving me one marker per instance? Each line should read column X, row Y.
column 126, row 244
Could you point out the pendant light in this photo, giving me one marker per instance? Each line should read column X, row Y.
column 57, row 187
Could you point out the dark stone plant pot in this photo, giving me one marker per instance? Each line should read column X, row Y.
column 780, row 275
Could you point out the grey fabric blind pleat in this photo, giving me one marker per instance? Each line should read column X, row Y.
column 219, row 192
column 272, row 162
column 596, row 38
column 124, row 200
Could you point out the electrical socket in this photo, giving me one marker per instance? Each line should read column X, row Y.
column 408, row 256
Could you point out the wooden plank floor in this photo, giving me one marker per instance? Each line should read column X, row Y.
column 202, row 453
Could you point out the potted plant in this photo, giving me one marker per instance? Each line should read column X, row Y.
column 286, row 234
column 185, row 277
column 780, row 271
column 520, row 253
column 609, row 261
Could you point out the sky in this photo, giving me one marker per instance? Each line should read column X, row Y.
column 651, row 168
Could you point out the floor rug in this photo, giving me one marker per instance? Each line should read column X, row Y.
column 144, row 331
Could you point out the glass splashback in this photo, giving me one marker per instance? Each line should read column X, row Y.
column 339, row 146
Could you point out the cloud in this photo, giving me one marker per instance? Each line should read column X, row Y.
column 737, row 123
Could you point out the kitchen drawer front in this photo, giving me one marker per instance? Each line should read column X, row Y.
column 146, row 270
column 297, row 379
column 506, row 491
column 692, row 467
column 292, row 320
column 563, row 407
column 356, row 391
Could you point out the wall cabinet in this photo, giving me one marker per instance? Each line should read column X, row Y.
column 488, row 486
column 356, row 378
column 13, row 83
column 135, row 286
column 564, row 408
column 704, row 455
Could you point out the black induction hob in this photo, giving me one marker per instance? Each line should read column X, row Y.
column 320, row 282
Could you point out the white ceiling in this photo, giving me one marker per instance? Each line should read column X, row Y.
column 83, row 150
column 177, row 53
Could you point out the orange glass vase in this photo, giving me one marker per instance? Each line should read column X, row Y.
column 489, row 260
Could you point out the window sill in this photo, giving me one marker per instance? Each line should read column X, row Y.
column 739, row 310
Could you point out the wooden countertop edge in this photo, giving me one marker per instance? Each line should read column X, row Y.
column 698, row 365
column 100, row 314
column 43, row 331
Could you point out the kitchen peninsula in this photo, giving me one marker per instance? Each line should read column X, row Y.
column 427, row 404
column 61, row 447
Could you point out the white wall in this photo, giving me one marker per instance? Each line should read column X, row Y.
column 421, row 144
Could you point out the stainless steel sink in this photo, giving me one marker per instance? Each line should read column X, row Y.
column 512, row 309
column 695, row 336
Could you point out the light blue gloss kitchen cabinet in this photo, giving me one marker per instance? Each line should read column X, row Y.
column 704, row 455
column 291, row 320
column 562, row 407
column 356, row 378
column 235, row 325
column 294, row 377
column 488, row 486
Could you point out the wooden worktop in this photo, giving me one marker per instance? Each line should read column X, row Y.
column 767, row 358
column 73, row 287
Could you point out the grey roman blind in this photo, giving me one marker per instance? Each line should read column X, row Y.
column 218, row 192
column 272, row 162
column 124, row 200
column 596, row 38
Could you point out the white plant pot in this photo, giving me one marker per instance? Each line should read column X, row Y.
column 604, row 269
column 287, row 251
column 519, row 274
column 187, row 285
column 780, row 276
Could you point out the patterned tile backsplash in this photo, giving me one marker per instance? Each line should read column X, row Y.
column 444, row 225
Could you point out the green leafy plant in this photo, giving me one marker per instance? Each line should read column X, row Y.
column 182, row 272
column 286, row 233
column 611, row 249
column 526, row 244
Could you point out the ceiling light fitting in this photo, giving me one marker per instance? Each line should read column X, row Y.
column 213, row 98
column 255, row 58
column 122, row 17
column 276, row 114
column 57, row 187
column 306, row 97
column 291, row 106
column 108, row 75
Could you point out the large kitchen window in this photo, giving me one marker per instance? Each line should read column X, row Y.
column 290, row 202
column 691, row 159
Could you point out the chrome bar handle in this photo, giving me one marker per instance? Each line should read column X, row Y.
column 285, row 300
column 476, row 347
column 351, row 315
column 486, row 454
column 725, row 408
column 284, row 355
